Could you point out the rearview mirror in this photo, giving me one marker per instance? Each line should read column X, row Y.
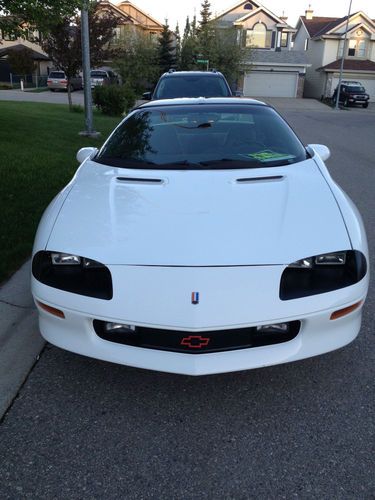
column 84, row 153
column 146, row 96
column 320, row 150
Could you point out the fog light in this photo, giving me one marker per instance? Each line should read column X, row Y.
column 276, row 328
column 118, row 328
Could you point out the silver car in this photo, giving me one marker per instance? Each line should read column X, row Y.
column 57, row 80
column 100, row 77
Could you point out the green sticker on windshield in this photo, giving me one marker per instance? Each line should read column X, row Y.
column 268, row 155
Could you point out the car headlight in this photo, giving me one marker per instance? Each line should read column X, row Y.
column 322, row 273
column 73, row 273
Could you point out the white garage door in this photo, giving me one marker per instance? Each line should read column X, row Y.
column 270, row 84
column 368, row 84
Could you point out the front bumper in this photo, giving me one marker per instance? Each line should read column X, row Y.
column 230, row 298
column 318, row 335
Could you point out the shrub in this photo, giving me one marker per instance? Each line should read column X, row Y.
column 113, row 99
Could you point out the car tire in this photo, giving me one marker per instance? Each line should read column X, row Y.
column 365, row 105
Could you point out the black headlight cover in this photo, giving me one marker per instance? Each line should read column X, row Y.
column 303, row 282
column 95, row 281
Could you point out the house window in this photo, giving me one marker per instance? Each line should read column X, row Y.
column 306, row 44
column 259, row 37
column 284, row 40
column 355, row 48
column 248, row 6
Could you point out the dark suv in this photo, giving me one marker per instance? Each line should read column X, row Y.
column 190, row 84
column 352, row 93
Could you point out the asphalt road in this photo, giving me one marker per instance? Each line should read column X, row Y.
column 81, row 428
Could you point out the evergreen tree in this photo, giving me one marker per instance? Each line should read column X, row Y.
column 193, row 26
column 178, row 47
column 187, row 28
column 205, row 13
column 206, row 32
column 167, row 56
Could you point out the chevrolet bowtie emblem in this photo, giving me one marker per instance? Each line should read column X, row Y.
column 195, row 341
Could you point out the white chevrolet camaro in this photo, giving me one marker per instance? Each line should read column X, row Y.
column 203, row 237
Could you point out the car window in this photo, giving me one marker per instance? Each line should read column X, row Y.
column 57, row 74
column 191, row 86
column 98, row 74
column 204, row 136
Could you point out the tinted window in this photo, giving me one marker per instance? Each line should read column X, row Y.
column 202, row 136
column 98, row 74
column 191, row 86
column 57, row 74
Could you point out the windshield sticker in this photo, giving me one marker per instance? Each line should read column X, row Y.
column 268, row 155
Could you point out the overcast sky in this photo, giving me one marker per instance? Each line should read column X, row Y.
column 177, row 10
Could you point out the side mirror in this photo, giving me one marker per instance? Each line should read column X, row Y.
column 146, row 96
column 320, row 150
column 84, row 153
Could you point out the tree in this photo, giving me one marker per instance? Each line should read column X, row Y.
column 187, row 28
column 178, row 47
column 166, row 51
column 136, row 60
column 205, row 13
column 63, row 43
column 21, row 61
column 18, row 15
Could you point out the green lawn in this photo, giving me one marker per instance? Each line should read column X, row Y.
column 38, row 144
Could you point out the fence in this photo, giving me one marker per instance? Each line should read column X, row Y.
column 29, row 81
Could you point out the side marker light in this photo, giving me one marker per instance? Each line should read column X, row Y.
column 347, row 310
column 51, row 310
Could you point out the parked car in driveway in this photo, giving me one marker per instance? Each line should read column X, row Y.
column 190, row 84
column 352, row 92
column 103, row 77
column 203, row 237
column 57, row 80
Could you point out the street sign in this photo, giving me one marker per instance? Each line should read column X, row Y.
column 203, row 61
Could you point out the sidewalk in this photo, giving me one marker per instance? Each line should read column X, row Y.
column 20, row 340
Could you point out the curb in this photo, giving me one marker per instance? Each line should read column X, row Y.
column 20, row 340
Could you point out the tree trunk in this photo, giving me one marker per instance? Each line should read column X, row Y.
column 69, row 95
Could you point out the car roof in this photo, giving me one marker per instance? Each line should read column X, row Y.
column 201, row 100
column 174, row 74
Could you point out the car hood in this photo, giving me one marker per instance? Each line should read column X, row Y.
column 199, row 218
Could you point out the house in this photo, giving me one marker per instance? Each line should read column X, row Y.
column 9, row 42
column 322, row 39
column 273, row 68
column 129, row 15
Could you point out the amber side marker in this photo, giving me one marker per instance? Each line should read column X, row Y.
column 51, row 310
column 347, row 310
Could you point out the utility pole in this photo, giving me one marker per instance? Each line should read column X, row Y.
column 89, row 132
column 343, row 57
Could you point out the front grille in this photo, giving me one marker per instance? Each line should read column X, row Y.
column 197, row 342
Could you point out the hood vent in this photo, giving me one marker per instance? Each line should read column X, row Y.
column 140, row 180
column 250, row 180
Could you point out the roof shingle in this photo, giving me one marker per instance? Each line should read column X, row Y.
column 350, row 65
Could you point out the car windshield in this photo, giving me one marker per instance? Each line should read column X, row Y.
column 202, row 136
column 355, row 88
column 191, row 86
column 57, row 74
column 98, row 74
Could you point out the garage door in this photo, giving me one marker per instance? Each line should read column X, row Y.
column 270, row 84
column 368, row 84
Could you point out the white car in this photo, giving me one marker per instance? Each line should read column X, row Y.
column 202, row 238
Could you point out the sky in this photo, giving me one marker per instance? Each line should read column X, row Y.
column 177, row 10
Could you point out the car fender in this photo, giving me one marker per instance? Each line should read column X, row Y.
column 350, row 213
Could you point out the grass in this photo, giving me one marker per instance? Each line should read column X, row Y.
column 38, row 144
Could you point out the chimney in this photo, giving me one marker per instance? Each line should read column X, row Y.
column 284, row 18
column 309, row 13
